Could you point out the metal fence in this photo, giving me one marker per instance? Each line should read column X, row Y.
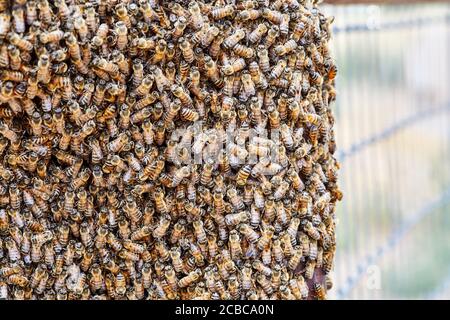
column 393, row 132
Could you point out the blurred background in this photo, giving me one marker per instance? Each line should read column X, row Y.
column 393, row 134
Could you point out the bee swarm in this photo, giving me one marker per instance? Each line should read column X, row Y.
column 98, row 199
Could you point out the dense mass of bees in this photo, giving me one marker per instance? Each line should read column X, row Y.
column 98, row 200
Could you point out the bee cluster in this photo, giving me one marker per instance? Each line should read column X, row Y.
column 97, row 198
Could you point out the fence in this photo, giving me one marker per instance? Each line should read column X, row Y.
column 393, row 132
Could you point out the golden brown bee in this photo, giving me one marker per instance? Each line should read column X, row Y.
column 295, row 259
column 30, row 12
column 256, row 35
column 52, row 36
column 319, row 291
column 122, row 32
column 144, row 88
column 4, row 56
column 18, row 16
column 243, row 174
column 265, row 283
column 309, row 270
column 233, row 39
column 162, row 227
column 273, row 16
column 19, row 42
column 191, row 278
column 181, row 94
column 14, row 197
column 199, row 231
column 169, row 274
column 18, row 280
column 100, row 197
column 186, row 50
column 7, row 132
column 312, row 231
column 73, row 46
column 220, row 13
column 179, row 27
column 234, row 219
column 266, row 237
column 278, row 69
column 286, row 48
column 331, row 69
column 97, row 280
column 160, row 51
column 272, row 35
column 235, row 245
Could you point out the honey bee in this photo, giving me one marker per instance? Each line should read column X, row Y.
column 30, row 12
column 161, row 81
column 11, row 247
column 86, row 237
column 19, row 42
column 234, row 67
column 18, row 280
column 286, row 48
column 309, row 270
column 162, row 228
column 197, row 254
column 73, row 46
column 278, row 69
column 179, row 27
column 91, row 19
column 4, row 56
column 18, row 15
column 120, row 284
column 199, row 231
column 265, row 283
column 122, row 32
column 272, row 35
column 286, row 293
column 284, row 25
column 331, row 69
column 144, row 88
column 175, row 256
column 234, row 219
column 281, row 190
column 160, row 51
column 263, row 56
column 272, row 15
column 234, row 39
column 248, row 86
column 118, row 144
column 251, row 235
column 196, row 16
column 312, row 231
column 4, row 220
column 191, row 278
column 189, row 114
column 266, row 236
column 141, row 104
column 97, row 280
column 53, row 36
column 15, row 200
column 222, row 12
column 37, row 276
column 162, row 251
column 210, row 37
column 243, row 174
column 104, row 94
column 186, row 50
